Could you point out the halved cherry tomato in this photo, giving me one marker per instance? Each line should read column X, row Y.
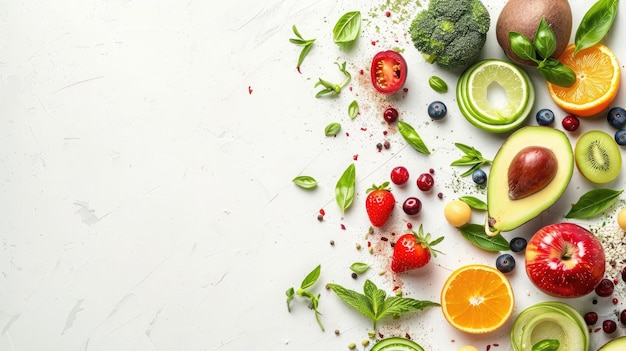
column 388, row 71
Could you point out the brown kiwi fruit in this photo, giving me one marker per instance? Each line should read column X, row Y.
column 523, row 16
column 598, row 157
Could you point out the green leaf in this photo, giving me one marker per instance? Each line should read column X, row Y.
column 359, row 267
column 396, row 306
column 474, row 202
column 557, row 73
column 290, row 295
column 347, row 29
column 357, row 300
column 546, row 345
column 476, row 235
column 332, row 129
column 353, row 109
column 595, row 24
column 593, row 203
column 410, row 135
column 438, row 84
column 305, row 182
column 522, row 46
column 345, row 188
column 306, row 44
column 311, row 278
column 545, row 40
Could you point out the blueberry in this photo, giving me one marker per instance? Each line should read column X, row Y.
column 518, row 244
column 545, row 117
column 437, row 110
column 620, row 137
column 505, row 263
column 616, row 117
column 479, row 176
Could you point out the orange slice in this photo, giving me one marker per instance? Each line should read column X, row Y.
column 477, row 299
column 597, row 81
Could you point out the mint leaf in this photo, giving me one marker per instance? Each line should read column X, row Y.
column 357, row 300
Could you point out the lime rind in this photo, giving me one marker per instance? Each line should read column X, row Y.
column 472, row 95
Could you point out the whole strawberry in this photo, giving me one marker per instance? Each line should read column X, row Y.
column 379, row 204
column 413, row 250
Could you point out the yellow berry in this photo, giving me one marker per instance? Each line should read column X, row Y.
column 467, row 348
column 621, row 218
column 457, row 213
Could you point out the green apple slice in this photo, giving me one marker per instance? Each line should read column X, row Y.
column 618, row 344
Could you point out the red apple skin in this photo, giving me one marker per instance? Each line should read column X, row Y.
column 565, row 260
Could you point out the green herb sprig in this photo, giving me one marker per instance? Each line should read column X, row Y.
column 305, row 182
column 306, row 45
column 333, row 88
column 353, row 109
column 474, row 202
column 411, row 136
column 376, row 305
column 593, row 203
column 359, row 267
column 539, row 51
column 475, row 234
column 347, row 29
column 332, row 129
column 595, row 24
column 345, row 188
column 304, row 292
column 471, row 157
column 546, row 345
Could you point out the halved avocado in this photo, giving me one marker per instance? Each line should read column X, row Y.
column 618, row 344
column 504, row 213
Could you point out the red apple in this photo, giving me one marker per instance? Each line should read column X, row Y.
column 565, row 260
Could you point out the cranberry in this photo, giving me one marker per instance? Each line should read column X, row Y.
column 624, row 274
column 609, row 326
column 390, row 115
column 570, row 123
column 591, row 318
column 412, row 206
column 605, row 288
column 399, row 175
column 622, row 317
column 425, row 182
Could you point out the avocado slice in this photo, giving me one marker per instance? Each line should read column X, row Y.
column 618, row 344
column 504, row 213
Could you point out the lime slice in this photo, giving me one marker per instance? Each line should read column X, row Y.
column 553, row 325
column 475, row 95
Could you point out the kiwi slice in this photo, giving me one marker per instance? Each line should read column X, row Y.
column 598, row 157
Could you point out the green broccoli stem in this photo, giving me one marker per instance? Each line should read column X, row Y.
column 429, row 58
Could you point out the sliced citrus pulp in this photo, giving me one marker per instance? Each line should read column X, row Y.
column 597, row 81
column 477, row 299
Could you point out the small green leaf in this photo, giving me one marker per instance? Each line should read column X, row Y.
column 305, row 182
column 593, row 203
column 345, row 188
column 595, row 24
column 347, row 29
column 474, row 202
column 522, row 46
column 476, row 235
column 332, row 129
column 357, row 300
column 557, row 73
column 359, row 267
column 545, row 40
column 306, row 44
column 438, row 84
column 412, row 137
column 311, row 278
column 546, row 345
column 353, row 109
column 290, row 295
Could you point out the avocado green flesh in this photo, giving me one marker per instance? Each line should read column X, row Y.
column 618, row 344
column 506, row 214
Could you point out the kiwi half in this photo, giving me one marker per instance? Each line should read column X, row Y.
column 598, row 157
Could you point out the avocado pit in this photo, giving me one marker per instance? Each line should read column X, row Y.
column 531, row 170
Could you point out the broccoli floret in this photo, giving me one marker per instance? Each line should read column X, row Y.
column 451, row 32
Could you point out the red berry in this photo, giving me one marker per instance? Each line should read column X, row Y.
column 624, row 274
column 570, row 123
column 425, row 182
column 609, row 326
column 412, row 206
column 622, row 317
column 413, row 250
column 399, row 175
column 379, row 204
column 390, row 115
column 591, row 318
column 605, row 288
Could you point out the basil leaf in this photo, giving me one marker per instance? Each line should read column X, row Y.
column 557, row 73
column 474, row 202
column 359, row 267
column 475, row 234
column 332, row 129
column 357, row 300
column 305, row 182
column 545, row 40
column 347, row 29
column 438, row 84
column 410, row 135
column 522, row 46
column 291, row 293
column 311, row 278
column 593, row 203
column 546, row 345
column 595, row 24
column 344, row 190
column 353, row 109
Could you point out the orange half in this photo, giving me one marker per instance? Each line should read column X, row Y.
column 597, row 81
column 477, row 299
